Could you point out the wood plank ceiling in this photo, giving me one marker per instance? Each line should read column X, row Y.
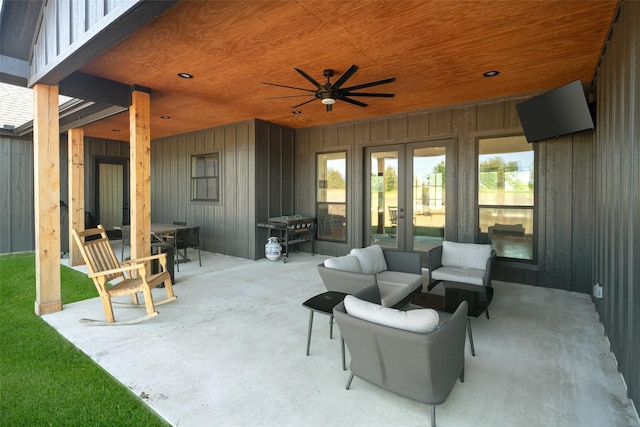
column 437, row 50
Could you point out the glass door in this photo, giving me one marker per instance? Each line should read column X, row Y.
column 406, row 196
column 428, row 196
column 385, row 194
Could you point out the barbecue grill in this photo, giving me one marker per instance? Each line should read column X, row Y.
column 291, row 230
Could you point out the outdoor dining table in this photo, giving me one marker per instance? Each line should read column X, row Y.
column 165, row 233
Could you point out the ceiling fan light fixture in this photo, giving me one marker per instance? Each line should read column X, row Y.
column 328, row 101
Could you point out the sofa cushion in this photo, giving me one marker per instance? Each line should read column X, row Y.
column 421, row 320
column 396, row 285
column 465, row 255
column 459, row 274
column 371, row 259
column 344, row 263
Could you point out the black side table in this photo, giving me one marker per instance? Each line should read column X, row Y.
column 322, row 303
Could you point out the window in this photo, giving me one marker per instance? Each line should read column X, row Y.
column 205, row 177
column 331, row 196
column 506, row 196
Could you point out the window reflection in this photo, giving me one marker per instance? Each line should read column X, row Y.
column 506, row 196
column 331, row 196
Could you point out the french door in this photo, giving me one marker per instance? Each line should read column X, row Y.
column 405, row 195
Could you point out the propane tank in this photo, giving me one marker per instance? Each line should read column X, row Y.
column 272, row 249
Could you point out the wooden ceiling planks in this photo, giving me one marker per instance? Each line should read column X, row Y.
column 436, row 49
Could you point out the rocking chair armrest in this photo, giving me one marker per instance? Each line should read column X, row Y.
column 144, row 259
column 115, row 270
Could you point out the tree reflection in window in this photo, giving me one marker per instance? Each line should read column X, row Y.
column 331, row 196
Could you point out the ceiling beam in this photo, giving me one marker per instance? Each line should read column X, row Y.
column 97, row 89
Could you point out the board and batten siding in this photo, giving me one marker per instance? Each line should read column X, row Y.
column 256, row 167
column 563, row 184
column 17, row 233
column 616, row 196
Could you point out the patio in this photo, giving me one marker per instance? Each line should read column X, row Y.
column 231, row 351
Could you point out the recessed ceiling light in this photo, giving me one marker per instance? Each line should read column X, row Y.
column 491, row 73
column 185, row 75
column 165, row 117
column 297, row 112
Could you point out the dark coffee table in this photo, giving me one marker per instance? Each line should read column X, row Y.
column 477, row 297
column 322, row 303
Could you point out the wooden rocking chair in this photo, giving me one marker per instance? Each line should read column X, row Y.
column 133, row 275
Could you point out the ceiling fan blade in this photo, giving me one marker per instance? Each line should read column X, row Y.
column 353, row 101
column 287, row 96
column 308, row 77
column 290, row 87
column 375, row 95
column 344, row 77
column 364, row 85
column 306, row 102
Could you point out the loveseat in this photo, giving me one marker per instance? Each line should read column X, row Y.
column 397, row 274
column 461, row 262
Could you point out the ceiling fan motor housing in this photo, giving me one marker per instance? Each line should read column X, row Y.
column 329, row 92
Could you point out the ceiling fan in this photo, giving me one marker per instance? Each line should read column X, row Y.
column 328, row 93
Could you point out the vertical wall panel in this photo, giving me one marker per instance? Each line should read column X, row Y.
column 490, row 116
column 557, row 210
column 616, row 199
column 464, row 185
column 581, row 212
column 440, row 122
column 16, row 195
column 398, row 128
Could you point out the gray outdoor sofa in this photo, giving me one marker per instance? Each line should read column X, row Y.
column 397, row 274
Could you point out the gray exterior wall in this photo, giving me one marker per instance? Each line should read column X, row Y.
column 16, row 195
column 563, row 184
column 616, row 201
column 256, row 167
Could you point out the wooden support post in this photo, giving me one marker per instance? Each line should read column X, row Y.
column 140, row 173
column 46, row 165
column 76, row 191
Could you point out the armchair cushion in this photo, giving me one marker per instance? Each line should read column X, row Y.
column 421, row 320
column 371, row 259
column 459, row 274
column 344, row 263
column 465, row 255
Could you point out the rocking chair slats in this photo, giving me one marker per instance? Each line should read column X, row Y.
column 113, row 278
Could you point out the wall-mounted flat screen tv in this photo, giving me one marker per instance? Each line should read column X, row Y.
column 560, row 111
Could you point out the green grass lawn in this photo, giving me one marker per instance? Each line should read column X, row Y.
column 44, row 379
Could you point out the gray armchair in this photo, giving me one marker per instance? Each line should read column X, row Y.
column 465, row 272
column 421, row 366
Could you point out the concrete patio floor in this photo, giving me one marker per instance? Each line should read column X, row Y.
column 230, row 351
